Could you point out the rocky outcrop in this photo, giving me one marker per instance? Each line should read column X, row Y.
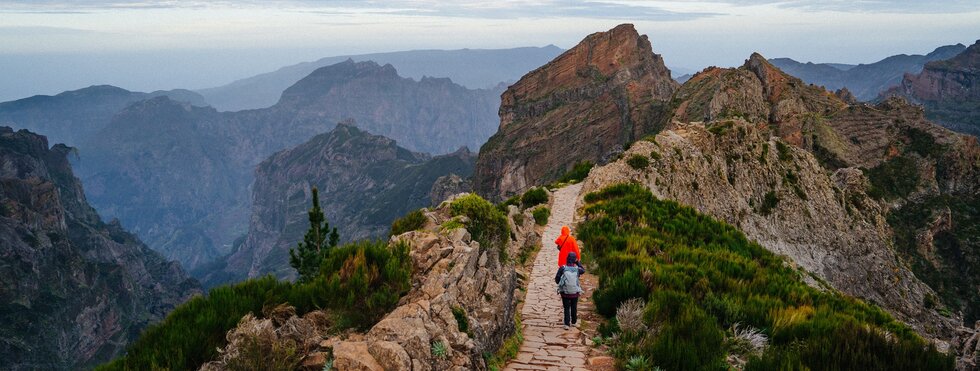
column 608, row 90
column 73, row 290
column 447, row 186
column 461, row 303
column 867, row 81
column 948, row 89
column 966, row 347
column 179, row 175
column 73, row 117
column 781, row 196
column 365, row 181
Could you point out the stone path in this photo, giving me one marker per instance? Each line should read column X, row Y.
column 546, row 345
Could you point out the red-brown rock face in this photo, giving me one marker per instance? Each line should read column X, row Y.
column 949, row 90
column 583, row 106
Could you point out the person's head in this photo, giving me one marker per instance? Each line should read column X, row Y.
column 565, row 230
column 571, row 258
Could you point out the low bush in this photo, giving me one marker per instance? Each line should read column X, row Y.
column 366, row 280
column 578, row 172
column 487, row 224
column 638, row 162
column 893, row 179
column 412, row 221
column 533, row 197
column 541, row 215
column 700, row 276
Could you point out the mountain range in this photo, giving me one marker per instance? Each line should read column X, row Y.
column 865, row 81
column 472, row 68
column 178, row 175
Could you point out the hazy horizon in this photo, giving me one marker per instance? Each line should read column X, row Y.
column 47, row 47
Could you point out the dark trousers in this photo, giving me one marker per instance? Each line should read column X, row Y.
column 571, row 310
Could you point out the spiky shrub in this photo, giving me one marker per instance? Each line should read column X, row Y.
column 699, row 276
column 638, row 363
column 629, row 315
column 439, row 350
column 412, row 221
column 747, row 340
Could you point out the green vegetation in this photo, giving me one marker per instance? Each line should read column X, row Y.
column 356, row 283
column 439, row 349
column 541, row 215
column 769, row 203
column 533, row 197
column 412, row 221
column 487, row 224
column 578, row 172
column 638, row 161
column 956, row 253
column 699, row 276
column 923, row 143
column 765, row 153
column 462, row 322
column 893, row 179
column 510, row 347
column 655, row 155
column 316, row 244
column 783, row 150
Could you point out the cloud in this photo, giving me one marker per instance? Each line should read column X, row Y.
column 866, row 6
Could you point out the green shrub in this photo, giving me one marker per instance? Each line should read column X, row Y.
column 462, row 322
column 638, row 161
column 533, row 197
column 700, row 276
column 769, row 203
column 541, row 215
column 412, row 221
column 655, row 155
column 366, row 281
column 487, row 224
column 784, row 151
column 578, row 172
column 893, row 179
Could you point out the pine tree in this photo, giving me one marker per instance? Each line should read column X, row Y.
column 316, row 244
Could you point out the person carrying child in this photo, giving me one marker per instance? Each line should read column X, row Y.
column 569, row 288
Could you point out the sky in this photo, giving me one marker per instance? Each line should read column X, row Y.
column 49, row 46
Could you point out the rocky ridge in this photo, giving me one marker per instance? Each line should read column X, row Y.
column 608, row 90
column 948, row 89
column 74, row 290
column 365, row 181
column 452, row 276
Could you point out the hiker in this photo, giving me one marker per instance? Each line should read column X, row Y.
column 566, row 244
column 569, row 287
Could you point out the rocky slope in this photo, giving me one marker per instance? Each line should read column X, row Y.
column 178, row 175
column 866, row 81
column 472, row 68
column 365, row 181
column 608, row 90
column 948, row 89
column 462, row 297
column 73, row 290
column 74, row 116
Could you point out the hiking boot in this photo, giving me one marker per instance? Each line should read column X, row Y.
column 566, row 327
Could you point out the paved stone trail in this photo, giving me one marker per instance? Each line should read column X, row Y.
column 546, row 345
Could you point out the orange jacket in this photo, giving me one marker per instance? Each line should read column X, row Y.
column 566, row 243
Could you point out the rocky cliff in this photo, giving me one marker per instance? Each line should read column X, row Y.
column 179, row 175
column 866, row 81
column 74, row 116
column 948, row 89
column 608, row 90
column 365, row 181
column 73, row 290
